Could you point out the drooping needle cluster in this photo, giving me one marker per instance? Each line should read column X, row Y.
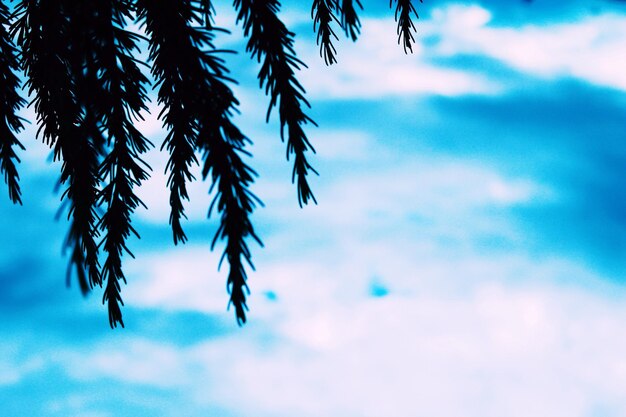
column 89, row 88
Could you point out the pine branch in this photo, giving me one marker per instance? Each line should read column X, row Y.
column 406, row 28
column 88, row 42
column 322, row 15
column 42, row 31
column 207, row 10
column 232, row 178
column 197, row 105
column 271, row 43
column 177, row 70
column 223, row 144
column 10, row 102
column 123, row 167
column 349, row 19
column 88, row 92
column 84, row 23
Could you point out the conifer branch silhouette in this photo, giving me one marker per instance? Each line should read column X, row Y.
column 177, row 69
column 231, row 177
column 10, row 103
column 404, row 10
column 122, row 167
column 322, row 13
column 271, row 44
column 197, row 106
column 87, row 27
column 207, row 10
column 88, row 90
column 42, row 31
column 349, row 19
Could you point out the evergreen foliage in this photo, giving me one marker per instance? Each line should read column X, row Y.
column 404, row 12
column 88, row 89
column 10, row 102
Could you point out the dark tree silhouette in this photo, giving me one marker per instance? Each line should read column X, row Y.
column 88, row 89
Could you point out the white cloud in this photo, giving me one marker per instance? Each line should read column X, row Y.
column 496, row 351
column 376, row 66
column 428, row 196
column 380, row 221
column 13, row 371
column 489, row 350
column 184, row 278
column 462, row 331
column 134, row 361
column 387, row 220
column 331, row 147
column 587, row 49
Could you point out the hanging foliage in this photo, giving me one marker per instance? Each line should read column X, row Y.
column 89, row 88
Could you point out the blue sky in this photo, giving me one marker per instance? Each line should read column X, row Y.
column 467, row 256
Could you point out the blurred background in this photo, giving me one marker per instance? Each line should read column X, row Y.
column 467, row 256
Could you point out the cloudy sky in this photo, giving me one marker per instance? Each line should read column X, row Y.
column 467, row 257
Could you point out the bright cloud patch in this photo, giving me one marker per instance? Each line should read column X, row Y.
column 591, row 49
column 136, row 363
column 183, row 278
column 496, row 352
column 496, row 349
column 588, row 49
column 375, row 66
column 368, row 225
